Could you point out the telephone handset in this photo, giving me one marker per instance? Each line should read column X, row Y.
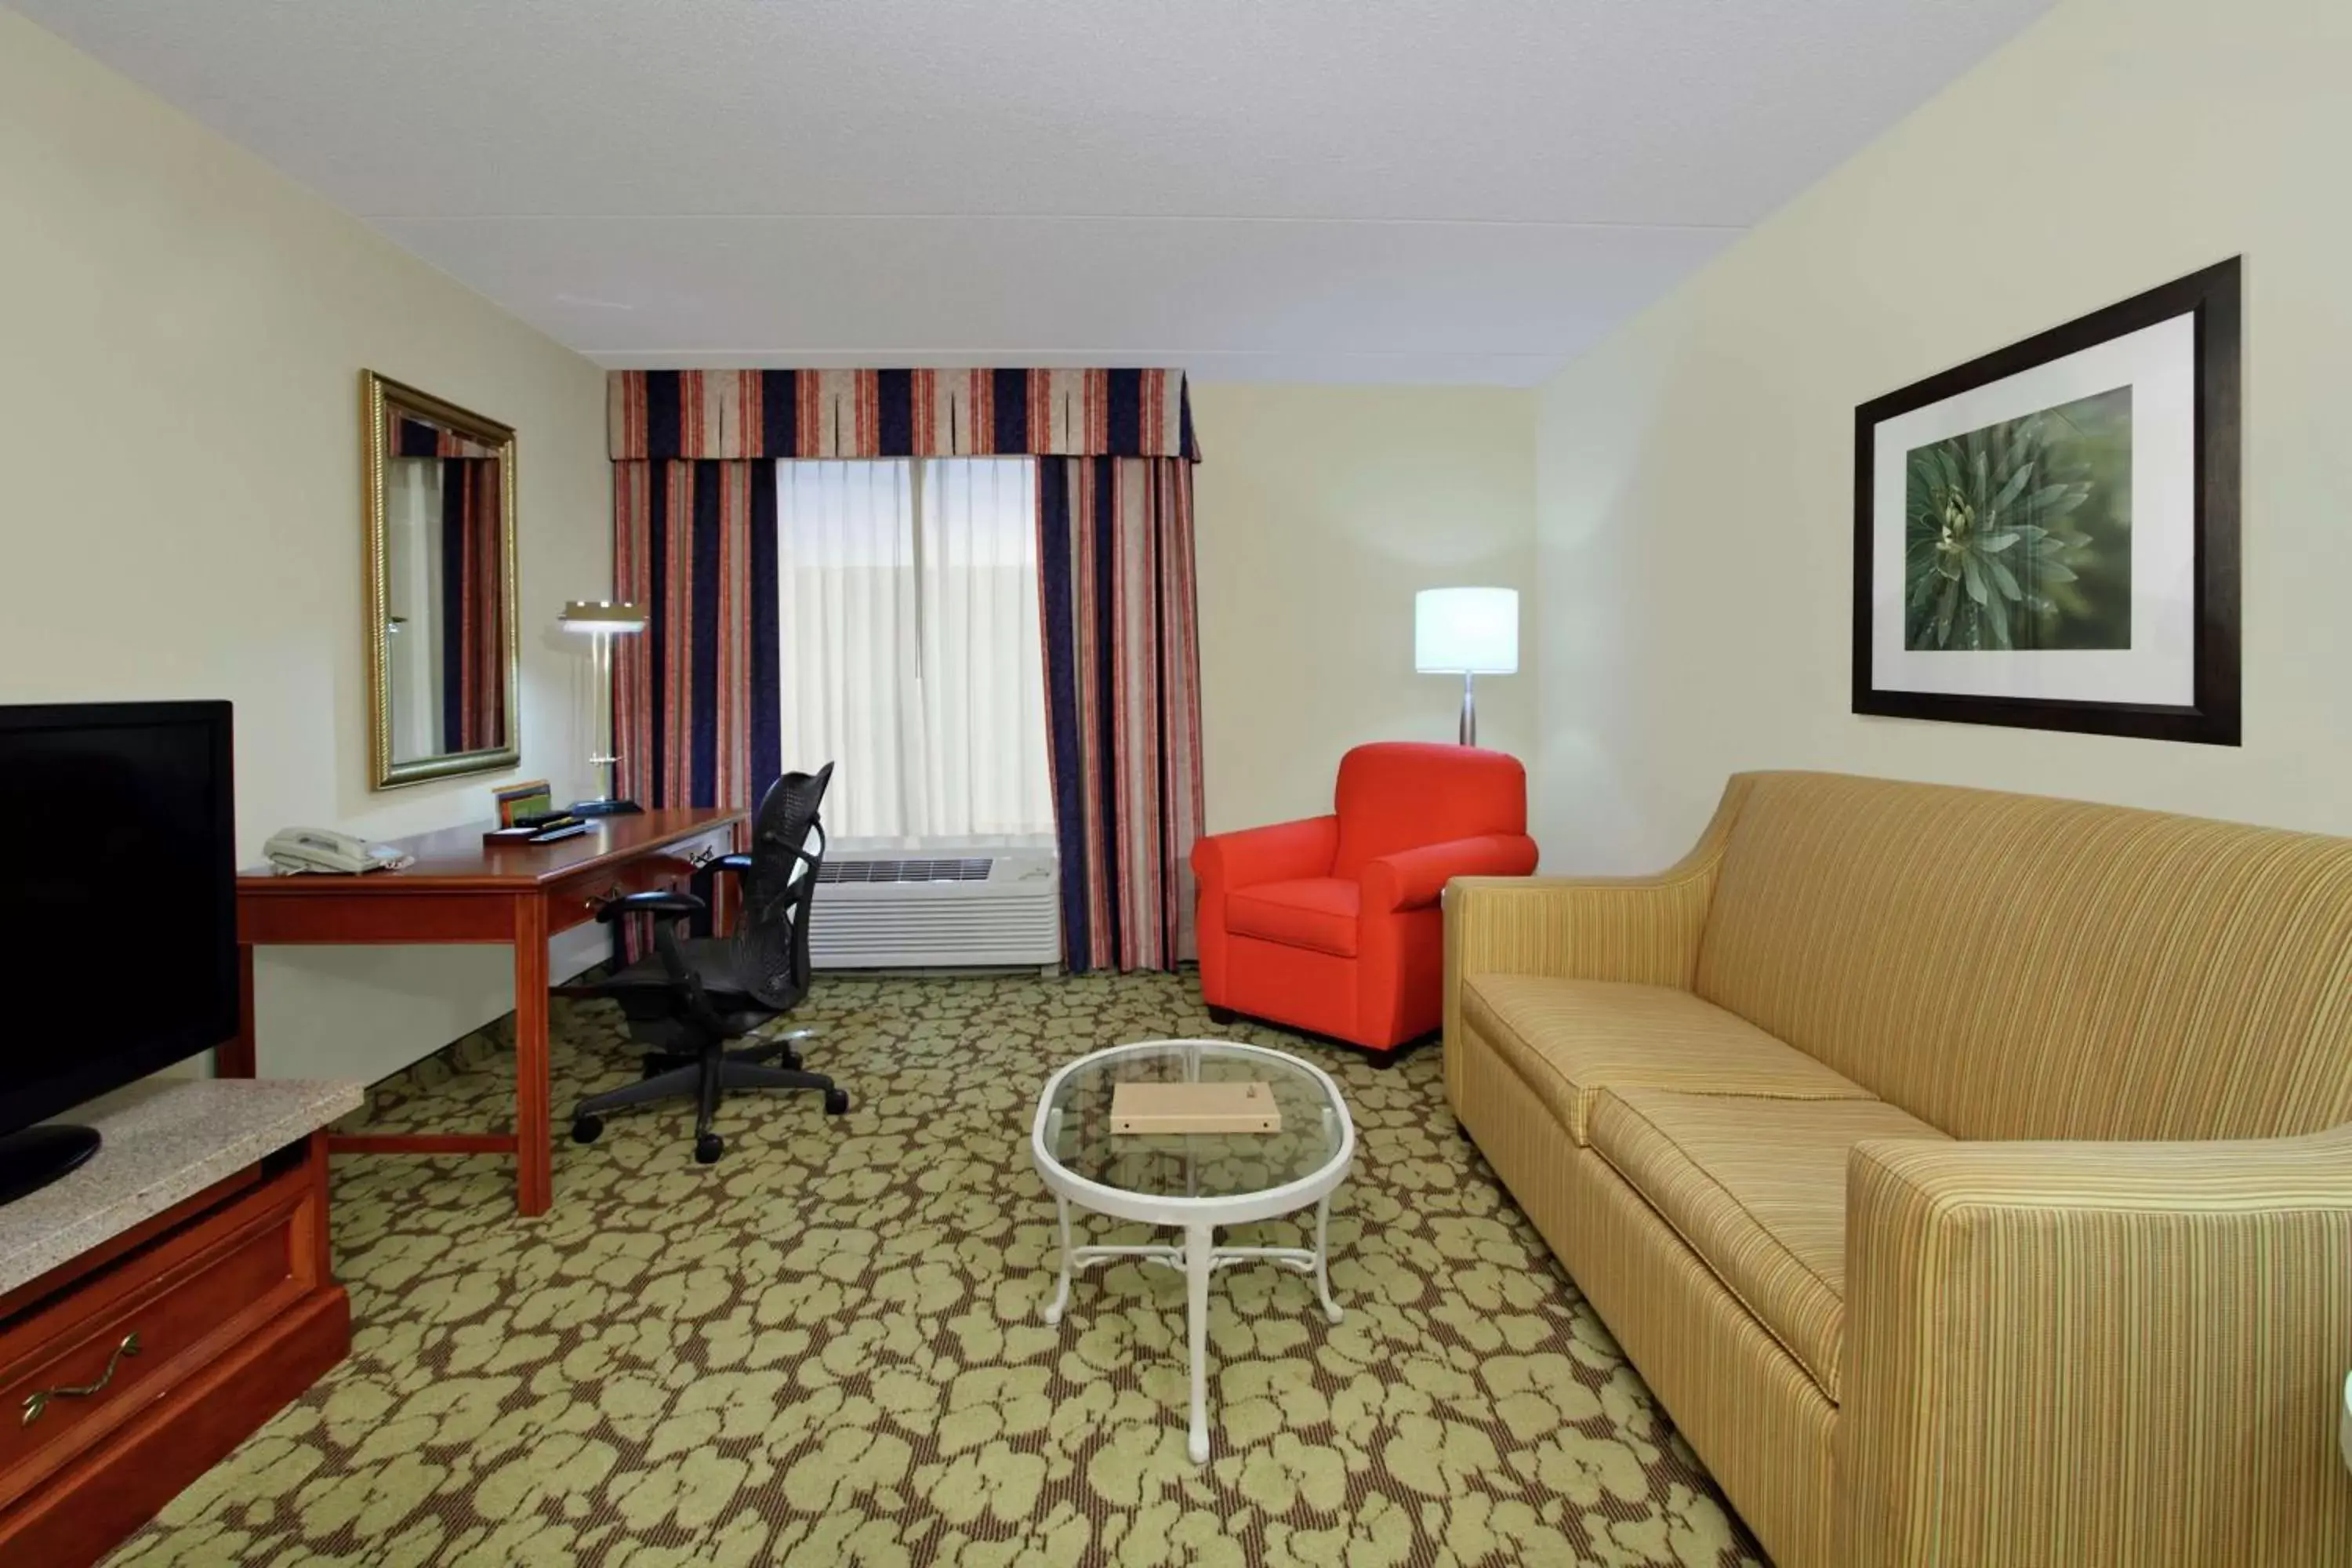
column 298, row 850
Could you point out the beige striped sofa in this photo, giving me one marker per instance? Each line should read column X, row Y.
column 1968, row 1173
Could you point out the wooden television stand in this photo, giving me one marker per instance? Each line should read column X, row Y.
column 160, row 1303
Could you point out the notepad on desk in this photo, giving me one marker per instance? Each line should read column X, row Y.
column 1195, row 1108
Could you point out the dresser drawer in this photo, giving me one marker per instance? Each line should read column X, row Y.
column 575, row 901
column 75, row 1370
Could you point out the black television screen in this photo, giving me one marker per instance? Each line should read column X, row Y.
column 118, row 897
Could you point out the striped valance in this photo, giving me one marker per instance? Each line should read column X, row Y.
column 748, row 414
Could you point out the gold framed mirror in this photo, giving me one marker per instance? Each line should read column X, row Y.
column 445, row 689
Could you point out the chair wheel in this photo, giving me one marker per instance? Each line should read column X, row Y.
column 708, row 1148
column 587, row 1129
column 789, row 1060
column 836, row 1101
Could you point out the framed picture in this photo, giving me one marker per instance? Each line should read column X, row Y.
column 2047, row 537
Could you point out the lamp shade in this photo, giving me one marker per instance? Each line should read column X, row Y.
column 1465, row 631
column 599, row 616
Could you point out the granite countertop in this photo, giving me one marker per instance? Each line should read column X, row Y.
column 165, row 1140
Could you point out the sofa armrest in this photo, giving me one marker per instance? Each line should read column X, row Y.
column 1413, row 878
column 1282, row 853
column 2096, row 1353
column 1644, row 930
column 1640, row 929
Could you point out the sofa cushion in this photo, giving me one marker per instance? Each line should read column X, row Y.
column 1757, row 1189
column 1572, row 1039
column 1319, row 912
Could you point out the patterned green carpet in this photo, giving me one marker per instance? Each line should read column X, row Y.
column 827, row 1347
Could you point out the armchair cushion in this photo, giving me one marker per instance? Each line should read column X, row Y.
column 1318, row 912
column 1413, row 878
column 1572, row 1039
column 1757, row 1189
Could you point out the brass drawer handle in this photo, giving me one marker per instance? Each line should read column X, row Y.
column 37, row 1403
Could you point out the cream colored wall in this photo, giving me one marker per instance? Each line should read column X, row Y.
column 1321, row 509
column 1695, row 472
column 179, row 426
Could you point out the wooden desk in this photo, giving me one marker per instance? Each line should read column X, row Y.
column 463, row 890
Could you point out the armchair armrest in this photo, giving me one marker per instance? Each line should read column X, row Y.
column 1413, row 878
column 1282, row 853
column 2096, row 1351
column 739, row 863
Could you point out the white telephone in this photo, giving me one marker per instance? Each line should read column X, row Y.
column 298, row 850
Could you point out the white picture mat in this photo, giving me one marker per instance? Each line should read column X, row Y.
column 2159, row 364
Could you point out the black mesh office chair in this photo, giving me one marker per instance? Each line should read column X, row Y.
column 693, row 994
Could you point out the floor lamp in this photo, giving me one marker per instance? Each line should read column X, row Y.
column 601, row 622
column 1467, row 632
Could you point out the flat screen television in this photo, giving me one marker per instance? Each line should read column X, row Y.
column 118, row 911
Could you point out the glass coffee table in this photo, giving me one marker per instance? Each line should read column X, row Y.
column 1195, row 1181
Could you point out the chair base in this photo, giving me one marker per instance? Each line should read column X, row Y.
column 708, row 1077
column 1382, row 1057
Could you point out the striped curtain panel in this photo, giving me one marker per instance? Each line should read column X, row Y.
column 694, row 697
column 694, row 540
column 473, row 634
column 1123, row 701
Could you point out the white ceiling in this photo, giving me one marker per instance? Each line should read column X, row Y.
column 1319, row 190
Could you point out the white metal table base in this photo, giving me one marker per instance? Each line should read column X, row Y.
column 1197, row 1258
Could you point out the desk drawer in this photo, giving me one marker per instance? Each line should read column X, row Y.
column 75, row 1369
column 574, row 901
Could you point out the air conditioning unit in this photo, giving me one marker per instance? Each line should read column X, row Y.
column 954, row 909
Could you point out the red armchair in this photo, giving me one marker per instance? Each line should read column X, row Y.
column 1332, row 924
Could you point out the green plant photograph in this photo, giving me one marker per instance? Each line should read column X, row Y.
column 2017, row 537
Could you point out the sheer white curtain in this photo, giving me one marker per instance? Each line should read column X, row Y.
column 906, row 608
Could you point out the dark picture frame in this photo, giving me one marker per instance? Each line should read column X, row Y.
column 2213, row 717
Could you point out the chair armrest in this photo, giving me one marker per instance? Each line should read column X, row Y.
column 1282, row 853
column 654, row 902
column 1413, row 878
column 739, row 864
column 2096, row 1351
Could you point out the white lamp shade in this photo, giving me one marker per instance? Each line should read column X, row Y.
column 1465, row 631
column 602, row 616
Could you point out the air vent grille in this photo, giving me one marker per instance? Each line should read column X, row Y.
column 872, row 872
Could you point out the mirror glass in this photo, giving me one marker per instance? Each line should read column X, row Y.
column 441, row 587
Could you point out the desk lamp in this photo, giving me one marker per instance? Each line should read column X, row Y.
column 601, row 622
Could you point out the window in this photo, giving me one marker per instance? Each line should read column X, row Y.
column 907, row 610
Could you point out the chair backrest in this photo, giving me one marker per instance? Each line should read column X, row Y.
column 771, row 933
column 2007, row 966
column 1401, row 794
